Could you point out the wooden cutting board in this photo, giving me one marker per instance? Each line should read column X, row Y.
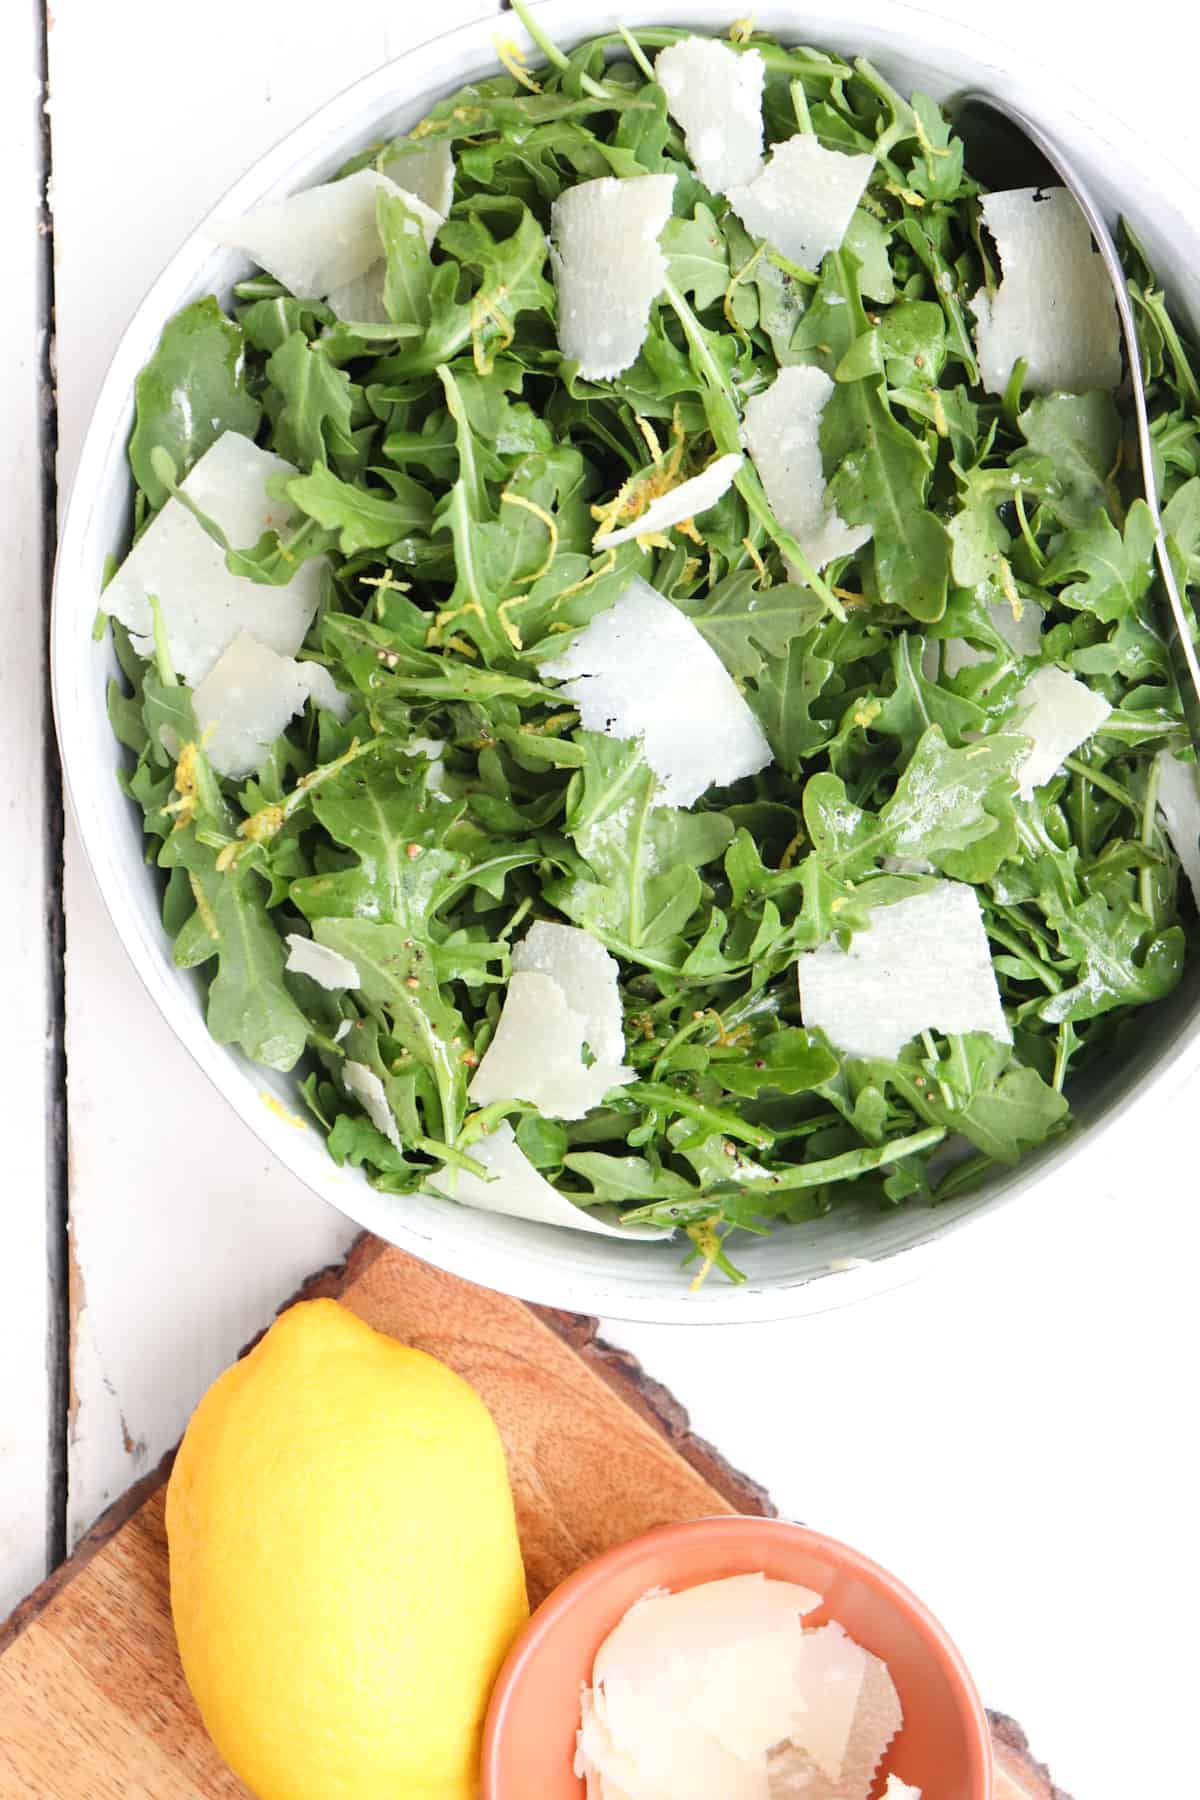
column 93, row 1704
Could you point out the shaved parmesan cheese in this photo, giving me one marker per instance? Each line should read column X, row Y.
column 1021, row 631
column 587, row 977
column 921, row 964
column 804, row 198
column 426, row 174
column 687, row 501
column 715, row 93
column 719, row 1692
column 203, row 605
column 1054, row 305
column 434, row 750
column 795, row 1775
column 343, row 1030
column 516, row 1189
column 642, row 670
column 318, row 241
column 536, row 1054
column 829, row 1673
column 900, row 1790
column 360, row 302
column 366, row 1087
column 608, row 267
column 1179, row 804
column 329, row 967
column 690, row 1690
column 249, row 696
column 783, row 436
column 1058, row 713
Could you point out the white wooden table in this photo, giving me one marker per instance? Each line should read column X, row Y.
column 1014, row 1435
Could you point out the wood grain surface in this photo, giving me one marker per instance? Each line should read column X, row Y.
column 93, row 1704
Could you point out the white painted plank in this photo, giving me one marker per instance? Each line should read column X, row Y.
column 24, row 1319
column 186, row 1234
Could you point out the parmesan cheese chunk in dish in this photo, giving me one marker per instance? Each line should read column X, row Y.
column 203, row 605
column 783, row 436
column 1054, row 305
column 686, row 501
column 1179, row 804
column 514, row 1187
column 608, row 267
column 715, row 93
column 642, row 670
column 794, row 1774
column 552, row 1009
column 329, row 967
column 587, row 975
column 900, row 1790
column 1021, row 631
column 718, row 1692
column 249, row 696
column 427, row 174
column 803, row 200
column 1058, row 713
column 322, row 239
column 364, row 1085
column 921, row 965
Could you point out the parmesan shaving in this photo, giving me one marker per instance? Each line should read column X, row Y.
column 1022, row 632
column 203, row 605
column 687, row 501
column 783, row 436
column 642, row 670
column 804, row 198
column 719, row 1692
column 794, row 1775
column 434, row 751
column 319, row 241
column 900, row 1790
column 515, row 1189
column 1179, row 804
column 249, row 697
column 536, row 1054
column 715, row 94
column 368, row 1090
column 1058, row 713
column 426, row 174
column 329, row 967
column 1054, row 306
column 562, row 998
column 587, row 976
column 921, row 964
column 608, row 267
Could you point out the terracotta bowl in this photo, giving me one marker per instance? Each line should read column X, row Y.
column 529, row 1740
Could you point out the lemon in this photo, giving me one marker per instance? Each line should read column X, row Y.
column 345, row 1573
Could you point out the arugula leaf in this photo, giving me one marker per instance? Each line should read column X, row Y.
column 191, row 391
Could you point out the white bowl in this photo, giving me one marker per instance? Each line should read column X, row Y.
column 797, row 1269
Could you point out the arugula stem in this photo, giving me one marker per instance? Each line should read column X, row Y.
column 162, row 649
column 1016, row 948
column 852, row 1163
column 721, row 411
column 1146, row 837
column 553, row 54
column 717, row 1119
column 1104, row 782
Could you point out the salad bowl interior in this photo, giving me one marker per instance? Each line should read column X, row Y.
column 852, row 1251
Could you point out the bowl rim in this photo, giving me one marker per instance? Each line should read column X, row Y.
column 528, row 1265
column 537, row 1637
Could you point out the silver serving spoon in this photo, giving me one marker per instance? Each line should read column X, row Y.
column 1006, row 149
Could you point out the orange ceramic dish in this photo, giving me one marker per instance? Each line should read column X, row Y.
column 529, row 1741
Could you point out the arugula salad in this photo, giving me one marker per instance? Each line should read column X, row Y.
column 636, row 649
